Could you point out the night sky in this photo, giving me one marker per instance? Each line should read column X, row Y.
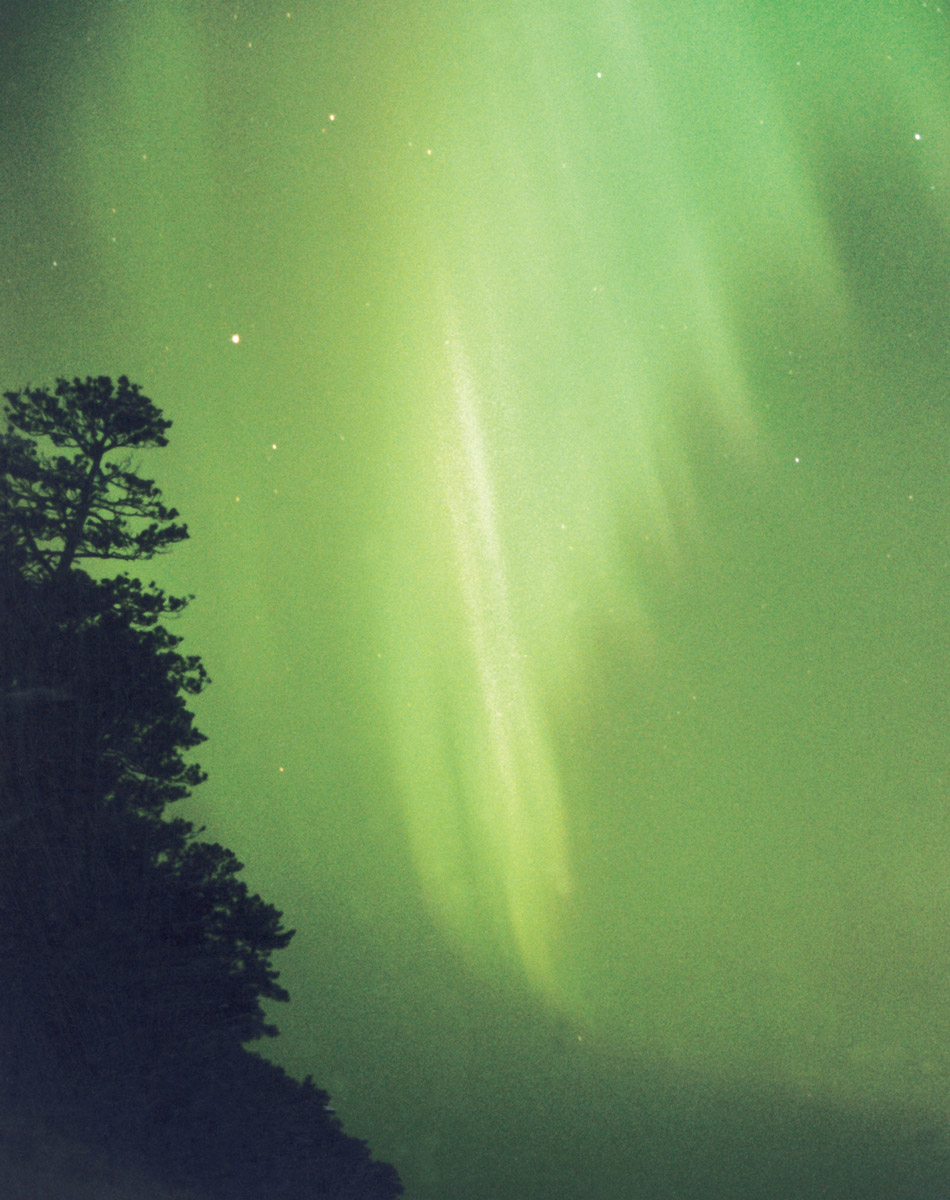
column 561, row 402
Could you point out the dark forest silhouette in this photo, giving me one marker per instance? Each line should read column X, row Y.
column 135, row 959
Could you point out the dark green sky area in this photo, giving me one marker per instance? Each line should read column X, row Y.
column 561, row 401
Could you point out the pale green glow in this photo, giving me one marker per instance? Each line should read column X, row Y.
column 481, row 786
column 543, row 434
column 602, row 559
column 584, row 332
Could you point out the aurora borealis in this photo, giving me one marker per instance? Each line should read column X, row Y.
column 562, row 421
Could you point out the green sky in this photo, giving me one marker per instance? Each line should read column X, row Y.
column 562, row 420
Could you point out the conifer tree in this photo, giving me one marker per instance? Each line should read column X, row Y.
column 79, row 503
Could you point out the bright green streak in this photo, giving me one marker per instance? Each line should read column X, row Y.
column 587, row 621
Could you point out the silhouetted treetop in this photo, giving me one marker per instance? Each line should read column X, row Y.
column 58, row 508
column 94, row 647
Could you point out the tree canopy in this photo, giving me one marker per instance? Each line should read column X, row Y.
column 75, row 505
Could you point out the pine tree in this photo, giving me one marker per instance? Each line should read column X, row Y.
column 81, row 505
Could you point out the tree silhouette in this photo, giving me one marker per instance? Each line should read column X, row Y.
column 92, row 647
column 136, row 961
column 71, row 506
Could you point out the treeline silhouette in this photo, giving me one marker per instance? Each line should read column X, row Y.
column 135, row 959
